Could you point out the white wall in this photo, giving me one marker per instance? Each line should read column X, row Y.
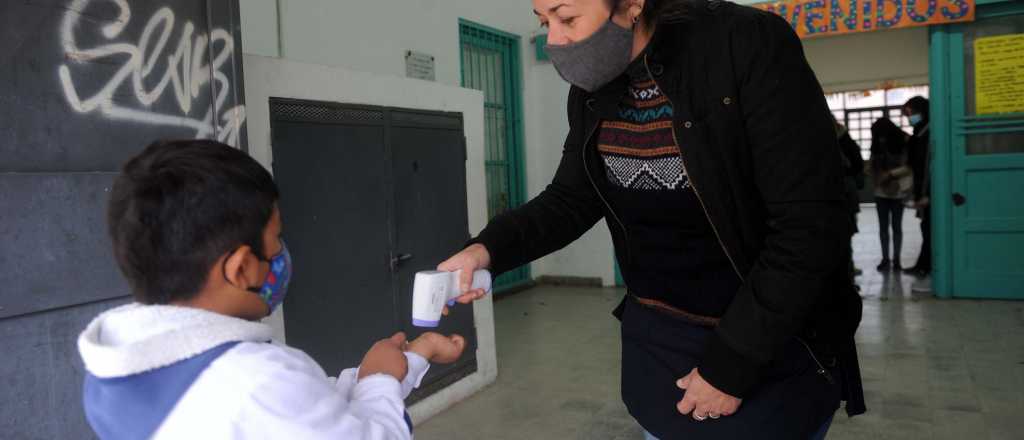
column 867, row 60
column 373, row 37
column 259, row 27
column 592, row 255
column 270, row 77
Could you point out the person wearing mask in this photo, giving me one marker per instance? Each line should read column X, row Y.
column 893, row 180
column 919, row 156
column 699, row 132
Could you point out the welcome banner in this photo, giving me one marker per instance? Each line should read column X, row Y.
column 815, row 18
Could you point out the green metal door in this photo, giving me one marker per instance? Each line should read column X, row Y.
column 979, row 156
column 490, row 63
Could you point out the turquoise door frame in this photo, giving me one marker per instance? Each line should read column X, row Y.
column 978, row 243
column 490, row 62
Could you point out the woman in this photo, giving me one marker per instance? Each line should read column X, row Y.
column 919, row 156
column 893, row 180
column 698, row 131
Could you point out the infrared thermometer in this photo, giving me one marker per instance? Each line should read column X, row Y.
column 432, row 289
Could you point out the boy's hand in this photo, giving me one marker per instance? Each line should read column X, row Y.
column 386, row 357
column 438, row 348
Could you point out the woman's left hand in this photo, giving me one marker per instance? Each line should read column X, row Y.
column 703, row 400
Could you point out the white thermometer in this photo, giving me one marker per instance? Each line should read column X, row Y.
column 432, row 289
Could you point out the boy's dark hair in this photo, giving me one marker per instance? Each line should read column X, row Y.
column 179, row 206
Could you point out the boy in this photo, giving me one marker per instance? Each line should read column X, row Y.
column 196, row 231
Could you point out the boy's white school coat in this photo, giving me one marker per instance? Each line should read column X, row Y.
column 255, row 389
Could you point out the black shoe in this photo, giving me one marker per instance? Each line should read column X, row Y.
column 884, row 265
column 896, row 266
column 917, row 272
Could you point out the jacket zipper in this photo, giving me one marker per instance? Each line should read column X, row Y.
column 821, row 367
column 625, row 233
column 689, row 176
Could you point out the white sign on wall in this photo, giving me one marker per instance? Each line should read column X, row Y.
column 419, row 65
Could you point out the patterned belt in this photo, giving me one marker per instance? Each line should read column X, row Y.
column 675, row 312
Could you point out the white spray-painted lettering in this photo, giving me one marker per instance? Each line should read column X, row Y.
column 188, row 72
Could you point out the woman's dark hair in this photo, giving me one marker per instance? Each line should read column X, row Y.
column 888, row 143
column 919, row 105
column 178, row 207
column 656, row 12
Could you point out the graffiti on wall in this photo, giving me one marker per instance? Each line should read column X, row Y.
column 153, row 68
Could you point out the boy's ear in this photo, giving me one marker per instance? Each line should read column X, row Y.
column 238, row 267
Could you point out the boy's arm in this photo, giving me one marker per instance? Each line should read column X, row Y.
column 418, row 367
column 297, row 400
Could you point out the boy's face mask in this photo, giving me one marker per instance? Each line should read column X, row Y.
column 275, row 286
column 914, row 119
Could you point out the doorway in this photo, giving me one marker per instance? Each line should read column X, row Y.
column 490, row 63
column 979, row 156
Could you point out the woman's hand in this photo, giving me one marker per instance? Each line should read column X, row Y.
column 703, row 400
column 469, row 260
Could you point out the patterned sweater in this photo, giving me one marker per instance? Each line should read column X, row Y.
column 638, row 150
column 675, row 257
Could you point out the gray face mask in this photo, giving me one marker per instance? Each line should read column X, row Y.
column 596, row 60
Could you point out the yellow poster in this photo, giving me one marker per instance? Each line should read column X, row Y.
column 999, row 74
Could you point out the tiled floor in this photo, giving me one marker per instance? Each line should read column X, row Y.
column 933, row 369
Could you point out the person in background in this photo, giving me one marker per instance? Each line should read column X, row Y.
column 853, row 179
column 919, row 157
column 893, row 180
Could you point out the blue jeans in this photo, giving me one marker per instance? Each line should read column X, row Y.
column 820, row 435
column 890, row 214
